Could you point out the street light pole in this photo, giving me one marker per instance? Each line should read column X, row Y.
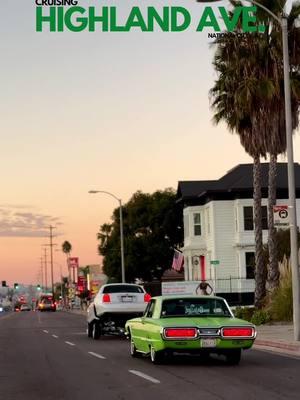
column 122, row 242
column 283, row 23
column 121, row 229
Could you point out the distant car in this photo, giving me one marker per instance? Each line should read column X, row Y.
column 25, row 307
column 46, row 303
column 189, row 324
column 113, row 305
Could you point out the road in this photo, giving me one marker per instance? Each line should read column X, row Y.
column 47, row 356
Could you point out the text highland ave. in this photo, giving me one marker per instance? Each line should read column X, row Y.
column 167, row 19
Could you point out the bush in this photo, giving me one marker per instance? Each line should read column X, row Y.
column 244, row 313
column 281, row 301
column 260, row 317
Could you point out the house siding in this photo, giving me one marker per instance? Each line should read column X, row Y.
column 223, row 239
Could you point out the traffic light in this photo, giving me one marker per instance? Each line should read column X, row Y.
column 3, row 283
column 38, row 287
column 16, row 286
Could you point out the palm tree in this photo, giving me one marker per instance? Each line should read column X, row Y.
column 236, row 96
column 276, row 108
column 67, row 248
column 250, row 86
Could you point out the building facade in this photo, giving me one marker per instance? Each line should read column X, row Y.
column 219, row 240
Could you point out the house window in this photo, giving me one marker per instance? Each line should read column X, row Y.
column 248, row 218
column 264, row 221
column 250, row 265
column 197, row 224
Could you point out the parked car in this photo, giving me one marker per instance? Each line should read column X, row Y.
column 25, row 307
column 189, row 324
column 46, row 303
column 113, row 305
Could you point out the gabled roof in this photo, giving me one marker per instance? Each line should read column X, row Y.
column 237, row 182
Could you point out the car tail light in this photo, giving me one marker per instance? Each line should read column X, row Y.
column 237, row 332
column 147, row 297
column 174, row 333
column 106, row 298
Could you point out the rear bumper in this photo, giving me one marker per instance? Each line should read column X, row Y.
column 196, row 346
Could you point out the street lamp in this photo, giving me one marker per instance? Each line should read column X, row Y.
column 283, row 23
column 121, row 228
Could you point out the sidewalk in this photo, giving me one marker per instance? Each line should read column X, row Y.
column 277, row 338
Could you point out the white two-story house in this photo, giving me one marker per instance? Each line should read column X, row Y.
column 218, row 225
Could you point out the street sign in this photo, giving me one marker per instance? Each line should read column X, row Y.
column 73, row 262
column 215, row 262
column 281, row 216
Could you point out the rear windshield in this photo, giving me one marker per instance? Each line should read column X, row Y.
column 46, row 301
column 194, row 307
column 122, row 289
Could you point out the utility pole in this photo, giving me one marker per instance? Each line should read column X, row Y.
column 45, row 265
column 51, row 244
column 42, row 272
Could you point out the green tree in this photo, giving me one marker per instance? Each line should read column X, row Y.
column 152, row 227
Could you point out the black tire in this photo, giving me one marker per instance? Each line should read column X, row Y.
column 156, row 357
column 233, row 357
column 133, row 352
column 89, row 330
column 96, row 330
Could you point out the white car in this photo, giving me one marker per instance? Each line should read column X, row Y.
column 25, row 307
column 113, row 305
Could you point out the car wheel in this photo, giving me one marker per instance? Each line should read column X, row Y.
column 156, row 356
column 133, row 351
column 233, row 357
column 90, row 330
column 96, row 330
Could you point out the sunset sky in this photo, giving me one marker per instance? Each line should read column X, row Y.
column 119, row 112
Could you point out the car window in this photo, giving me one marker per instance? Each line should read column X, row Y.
column 194, row 307
column 122, row 289
column 150, row 309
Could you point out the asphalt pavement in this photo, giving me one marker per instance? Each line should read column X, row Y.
column 47, row 356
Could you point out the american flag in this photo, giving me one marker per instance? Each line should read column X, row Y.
column 178, row 260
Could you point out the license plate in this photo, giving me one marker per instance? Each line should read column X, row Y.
column 127, row 299
column 208, row 342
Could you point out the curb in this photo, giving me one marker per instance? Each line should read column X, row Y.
column 289, row 348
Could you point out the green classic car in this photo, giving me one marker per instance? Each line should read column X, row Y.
column 189, row 324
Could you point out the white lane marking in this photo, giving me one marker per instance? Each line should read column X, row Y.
column 45, row 331
column 97, row 355
column 56, row 337
column 70, row 343
column 142, row 375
